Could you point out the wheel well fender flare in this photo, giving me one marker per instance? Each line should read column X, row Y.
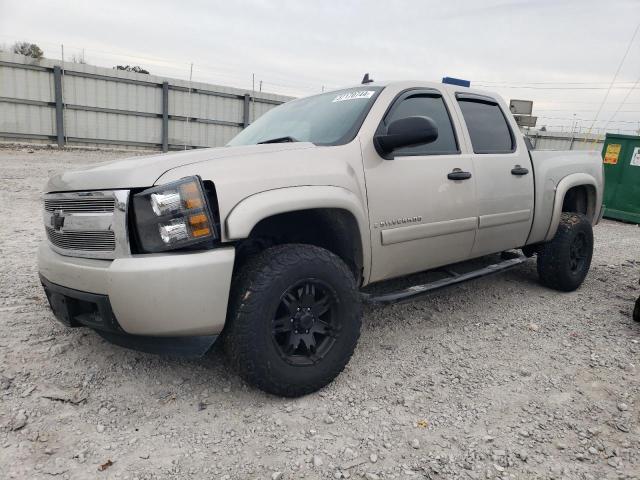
column 564, row 185
column 246, row 214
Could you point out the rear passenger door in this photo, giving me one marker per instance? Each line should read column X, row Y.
column 503, row 174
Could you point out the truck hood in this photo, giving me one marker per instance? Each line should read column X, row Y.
column 138, row 172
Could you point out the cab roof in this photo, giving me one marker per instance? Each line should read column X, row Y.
column 404, row 84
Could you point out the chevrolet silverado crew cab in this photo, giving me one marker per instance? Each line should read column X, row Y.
column 268, row 241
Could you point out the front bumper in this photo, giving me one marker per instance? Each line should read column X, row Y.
column 163, row 295
column 75, row 308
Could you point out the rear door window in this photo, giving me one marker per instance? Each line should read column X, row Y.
column 427, row 105
column 487, row 126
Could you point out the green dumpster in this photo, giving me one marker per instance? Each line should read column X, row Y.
column 621, row 157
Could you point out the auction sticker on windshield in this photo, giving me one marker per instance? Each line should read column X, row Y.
column 354, row 95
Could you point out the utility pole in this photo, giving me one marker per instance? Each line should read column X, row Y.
column 186, row 123
column 62, row 93
column 253, row 97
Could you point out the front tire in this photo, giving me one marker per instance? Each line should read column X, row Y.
column 563, row 263
column 294, row 319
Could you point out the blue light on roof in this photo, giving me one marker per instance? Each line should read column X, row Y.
column 456, row 81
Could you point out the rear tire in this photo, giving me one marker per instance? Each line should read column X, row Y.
column 563, row 263
column 636, row 311
column 294, row 319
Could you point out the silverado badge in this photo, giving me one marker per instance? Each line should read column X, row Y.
column 397, row 221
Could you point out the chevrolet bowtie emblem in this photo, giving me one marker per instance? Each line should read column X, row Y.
column 57, row 220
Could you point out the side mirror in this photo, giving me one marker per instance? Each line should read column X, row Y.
column 406, row 132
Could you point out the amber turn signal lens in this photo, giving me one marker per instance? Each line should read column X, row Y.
column 191, row 196
column 190, row 189
column 192, row 203
column 199, row 225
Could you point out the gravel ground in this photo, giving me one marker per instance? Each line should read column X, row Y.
column 497, row 378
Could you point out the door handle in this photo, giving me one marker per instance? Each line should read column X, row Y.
column 518, row 170
column 458, row 174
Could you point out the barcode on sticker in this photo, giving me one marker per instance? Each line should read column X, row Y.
column 354, row 95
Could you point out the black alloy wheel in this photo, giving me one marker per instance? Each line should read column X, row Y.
column 578, row 252
column 306, row 325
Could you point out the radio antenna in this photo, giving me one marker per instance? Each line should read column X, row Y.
column 366, row 79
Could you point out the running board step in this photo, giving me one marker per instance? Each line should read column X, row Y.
column 415, row 290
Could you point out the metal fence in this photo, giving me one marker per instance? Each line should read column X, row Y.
column 79, row 104
column 542, row 140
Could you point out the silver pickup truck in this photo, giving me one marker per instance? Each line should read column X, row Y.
column 268, row 241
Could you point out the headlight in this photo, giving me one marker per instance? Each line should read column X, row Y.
column 174, row 215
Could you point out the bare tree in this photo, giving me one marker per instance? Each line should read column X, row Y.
column 28, row 49
column 131, row 68
column 79, row 58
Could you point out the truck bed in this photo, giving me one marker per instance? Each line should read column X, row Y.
column 550, row 167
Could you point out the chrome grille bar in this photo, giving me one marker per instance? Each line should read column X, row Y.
column 83, row 239
column 82, row 205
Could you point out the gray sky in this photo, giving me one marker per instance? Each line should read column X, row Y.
column 561, row 54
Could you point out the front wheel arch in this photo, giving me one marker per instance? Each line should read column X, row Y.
column 243, row 223
column 335, row 230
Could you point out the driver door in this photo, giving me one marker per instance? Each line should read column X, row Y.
column 421, row 215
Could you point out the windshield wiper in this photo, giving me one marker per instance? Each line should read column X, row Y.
column 279, row 140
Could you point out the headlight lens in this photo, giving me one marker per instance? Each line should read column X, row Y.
column 163, row 203
column 175, row 215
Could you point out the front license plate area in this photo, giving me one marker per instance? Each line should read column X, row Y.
column 60, row 308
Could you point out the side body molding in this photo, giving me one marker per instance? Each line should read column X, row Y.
column 247, row 213
column 563, row 186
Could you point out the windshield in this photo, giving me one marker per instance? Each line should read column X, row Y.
column 331, row 118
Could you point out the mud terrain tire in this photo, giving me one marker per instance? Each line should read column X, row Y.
column 563, row 263
column 294, row 319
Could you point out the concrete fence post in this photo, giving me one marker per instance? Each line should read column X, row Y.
column 165, row 116
column 245, row 112
column 57, row 87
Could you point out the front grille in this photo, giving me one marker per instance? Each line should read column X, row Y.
column 92, row 241
column 80, row 205
column 87, row 224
